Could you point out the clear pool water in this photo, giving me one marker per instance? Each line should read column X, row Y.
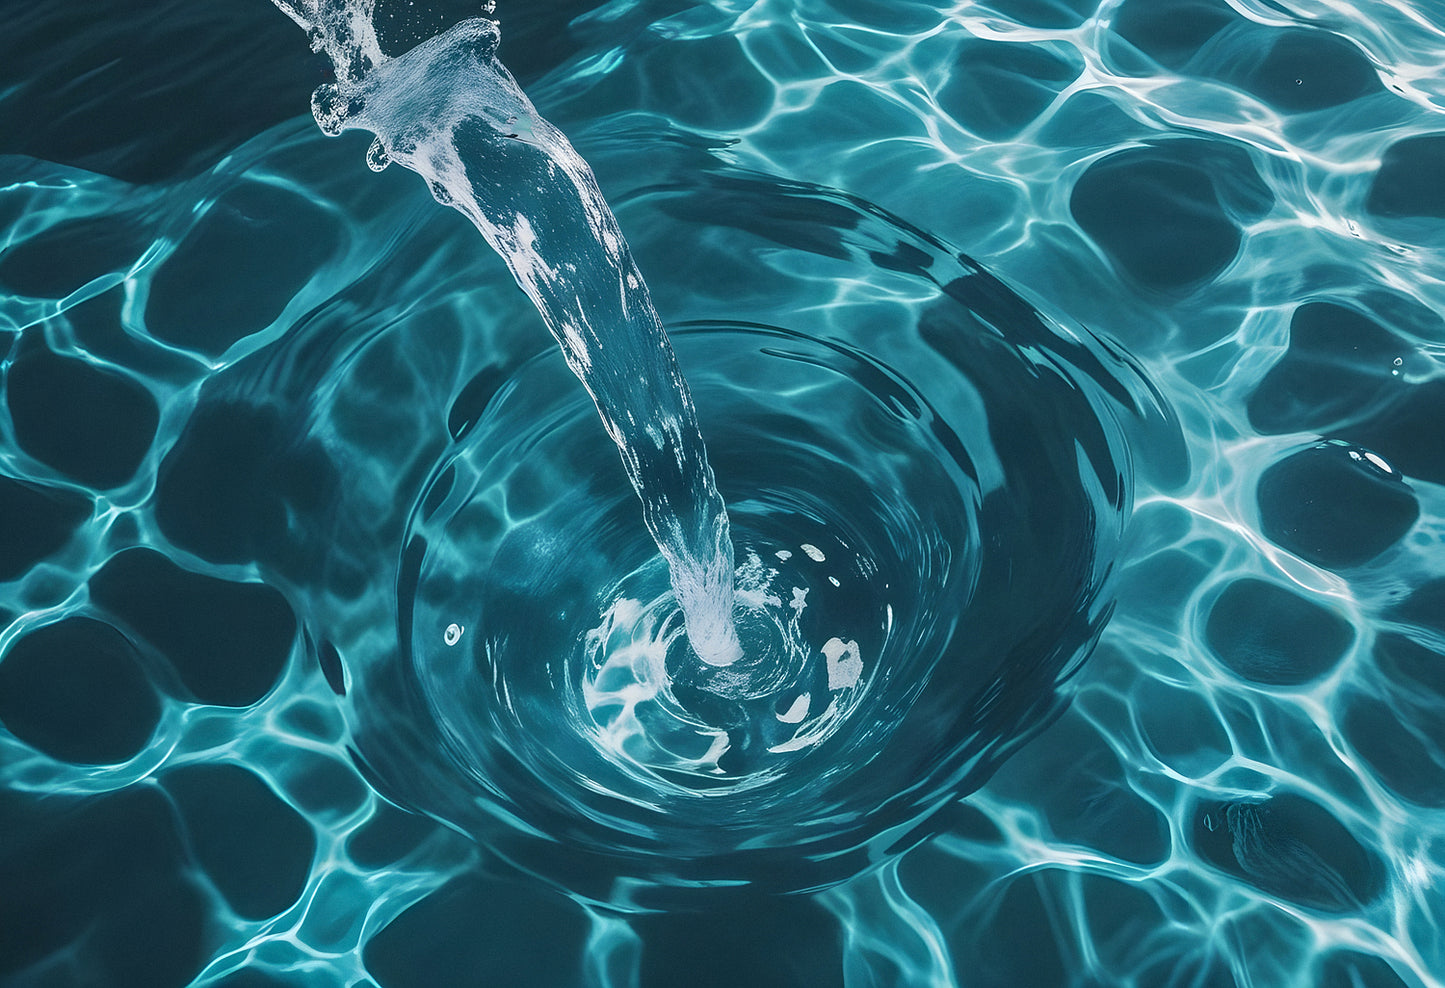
column 1076, row 369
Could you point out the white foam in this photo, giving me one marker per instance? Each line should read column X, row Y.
column 799, row 709
column 845, row 663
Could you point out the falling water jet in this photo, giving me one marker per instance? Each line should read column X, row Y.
column 451, row 112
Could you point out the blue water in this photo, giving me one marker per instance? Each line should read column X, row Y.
column 302, row 516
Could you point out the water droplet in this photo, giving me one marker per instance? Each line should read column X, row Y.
column 453, row 634
column 377, row 157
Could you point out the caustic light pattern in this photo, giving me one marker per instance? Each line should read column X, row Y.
column 1072, row 373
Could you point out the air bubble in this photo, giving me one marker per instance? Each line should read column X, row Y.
column 453, row 634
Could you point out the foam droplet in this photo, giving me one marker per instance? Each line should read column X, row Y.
column 797, row 711
column 845, row 663
column 329, row 109
column 377, row 157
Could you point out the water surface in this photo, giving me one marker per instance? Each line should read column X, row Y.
column 238, row 363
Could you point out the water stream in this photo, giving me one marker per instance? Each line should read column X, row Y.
column 451, row 112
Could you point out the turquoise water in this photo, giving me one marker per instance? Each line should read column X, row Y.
column 303, row 518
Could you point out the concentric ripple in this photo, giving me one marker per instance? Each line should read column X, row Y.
column 893, row 654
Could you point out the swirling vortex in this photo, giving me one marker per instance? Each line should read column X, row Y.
column 926, row 527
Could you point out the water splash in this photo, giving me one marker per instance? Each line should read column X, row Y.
column 451, row 112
